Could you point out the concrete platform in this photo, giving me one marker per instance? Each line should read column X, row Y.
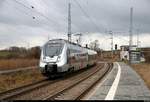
column 122, row 83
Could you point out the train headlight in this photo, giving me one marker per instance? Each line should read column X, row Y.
column 59, row 59
column 43, row 59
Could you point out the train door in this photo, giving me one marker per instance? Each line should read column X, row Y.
column 87, row 59
column 70, row 61
column 68, row 57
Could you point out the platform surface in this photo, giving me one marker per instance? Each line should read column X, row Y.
column 122, row 83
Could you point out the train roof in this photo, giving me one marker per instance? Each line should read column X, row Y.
column 65, row 41
column 90, row 51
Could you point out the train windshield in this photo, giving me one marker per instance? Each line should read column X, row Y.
column 53, row 49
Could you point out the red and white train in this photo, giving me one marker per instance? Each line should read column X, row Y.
column 60, row 56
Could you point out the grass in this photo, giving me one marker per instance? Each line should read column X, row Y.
column 4, row 54
column 6, row 64
column 18, row 79
column 143, row 69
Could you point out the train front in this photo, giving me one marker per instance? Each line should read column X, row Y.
column 52, row 58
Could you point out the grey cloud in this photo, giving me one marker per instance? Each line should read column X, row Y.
column 107, row 15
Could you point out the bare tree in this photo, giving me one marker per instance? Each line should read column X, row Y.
column 94, row 45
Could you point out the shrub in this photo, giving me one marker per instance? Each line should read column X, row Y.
column 147, row 56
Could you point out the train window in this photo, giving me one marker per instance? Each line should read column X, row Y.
column 71, row 51
column 74, row 51
column 53, row 49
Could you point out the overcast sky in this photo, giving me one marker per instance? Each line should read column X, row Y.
column 18, row 28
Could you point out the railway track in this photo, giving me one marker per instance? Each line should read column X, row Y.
column 10, row 94
column 59, row 89
column 24, row 89
column 77, row 90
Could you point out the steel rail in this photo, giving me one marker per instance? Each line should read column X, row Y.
column 110, row 65
column 52, row 97
column 24, row 89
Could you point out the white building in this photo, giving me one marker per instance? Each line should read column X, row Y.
column 136, row 55
column 124, row 53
